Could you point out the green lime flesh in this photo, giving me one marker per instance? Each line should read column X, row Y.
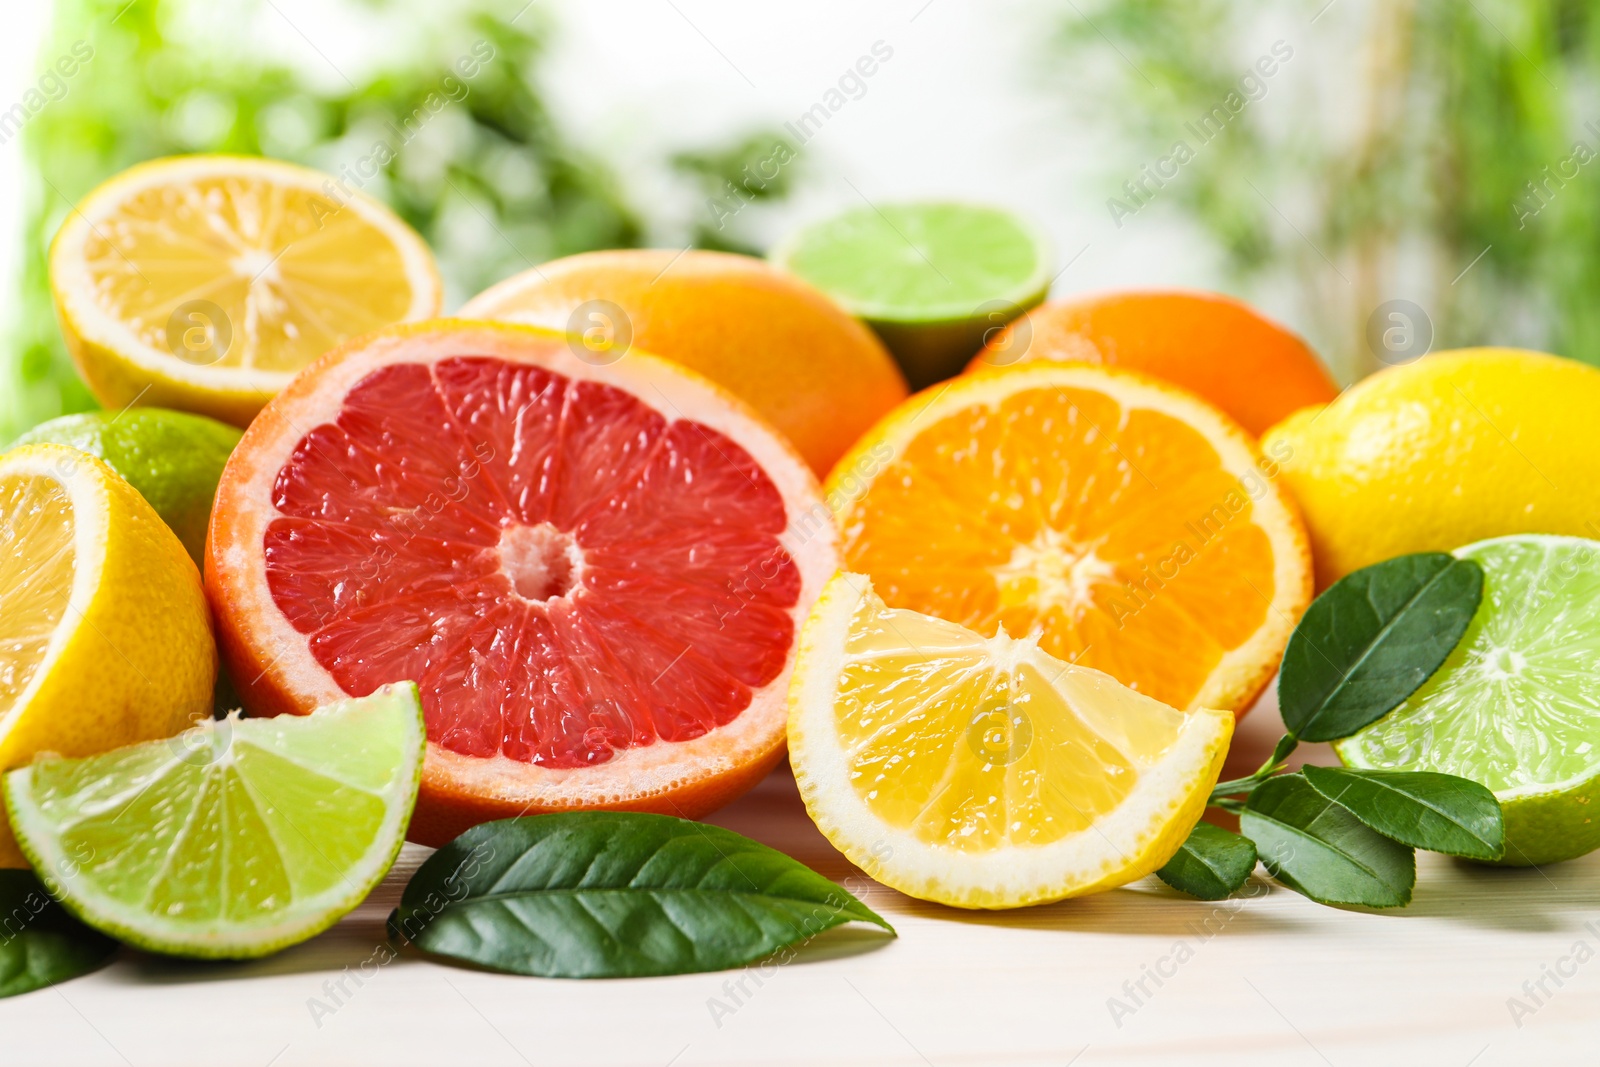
column 231, row 840
column 931, row 278
column 1516, row 706
column 174, row 459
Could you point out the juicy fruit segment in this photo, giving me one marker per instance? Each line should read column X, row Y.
column 595, row 576
column 37, row 558
column 205, row 282
column 1106, row 520
column 1517, row 704
column 234, row 839
column 282, row 261
column 983, row 772
column 1022, row 764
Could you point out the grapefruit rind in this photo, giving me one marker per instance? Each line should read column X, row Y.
column 276, row 673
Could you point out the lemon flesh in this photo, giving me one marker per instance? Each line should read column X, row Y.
column 983, row 772
column 36, row 565
column 203, row 283
column 1516, row 706
column 105, row 637
column 231, row 840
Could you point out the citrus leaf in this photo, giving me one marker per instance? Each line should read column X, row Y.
column 1371, row 639
column 40, row 942
column 1210, row 864
column 615, row 894
column 1318, row 848
column 1423, row 809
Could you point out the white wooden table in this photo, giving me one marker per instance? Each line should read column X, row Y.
column 1273, row 978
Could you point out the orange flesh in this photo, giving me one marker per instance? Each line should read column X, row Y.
column 1113, row 532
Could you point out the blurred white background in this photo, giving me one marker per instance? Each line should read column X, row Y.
column 957, row 111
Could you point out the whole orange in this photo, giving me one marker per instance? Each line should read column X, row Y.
column 1213, row 345
column 784, row 348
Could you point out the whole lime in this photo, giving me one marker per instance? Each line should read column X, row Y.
column 172, row 458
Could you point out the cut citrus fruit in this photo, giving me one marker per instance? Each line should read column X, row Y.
column 984, row 772
column 1133, row 526
column 104, row 635
column 593, row 573
column 933, row 279
column 204, row 283
column 1219, row 348
column 776, row 343
column 234, row 839
column 1516, row 706
column 173, row 458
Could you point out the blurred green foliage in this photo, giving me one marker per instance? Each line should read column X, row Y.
column 1402, row 140
column 478, row 165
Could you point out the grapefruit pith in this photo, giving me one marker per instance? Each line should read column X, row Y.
column 594, row 574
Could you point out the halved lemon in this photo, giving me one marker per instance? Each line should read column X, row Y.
column 204, row 283
column 984, row 772
column 105, row 639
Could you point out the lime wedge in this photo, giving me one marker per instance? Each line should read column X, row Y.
column 234, row 839
column 1516, row 706
column 931, row 278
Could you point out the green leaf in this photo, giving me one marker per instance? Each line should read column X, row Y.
column 1438, row 812
column 1315, row 846
column 1371, row 639
column 40, row 941
column 1210, row 864
column 615, row 894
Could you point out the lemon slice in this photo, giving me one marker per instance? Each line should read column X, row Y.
column 983, row 772
column 204, row 283
column 105, row 638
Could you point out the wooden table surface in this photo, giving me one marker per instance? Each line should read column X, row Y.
column 1486, row 967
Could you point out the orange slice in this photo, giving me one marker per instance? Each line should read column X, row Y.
column 1129, row 525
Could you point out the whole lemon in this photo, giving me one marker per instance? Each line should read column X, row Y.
column 1454, row 448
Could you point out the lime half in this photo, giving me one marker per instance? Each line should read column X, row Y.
column 174, row 459
column 1516, row 706
column 931, row 278
column 234, row 839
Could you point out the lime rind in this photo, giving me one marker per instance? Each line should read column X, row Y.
column 924, row 264
column 232, row 840
column 1516, row 705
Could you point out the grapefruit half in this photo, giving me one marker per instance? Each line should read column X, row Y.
column 594, row 574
